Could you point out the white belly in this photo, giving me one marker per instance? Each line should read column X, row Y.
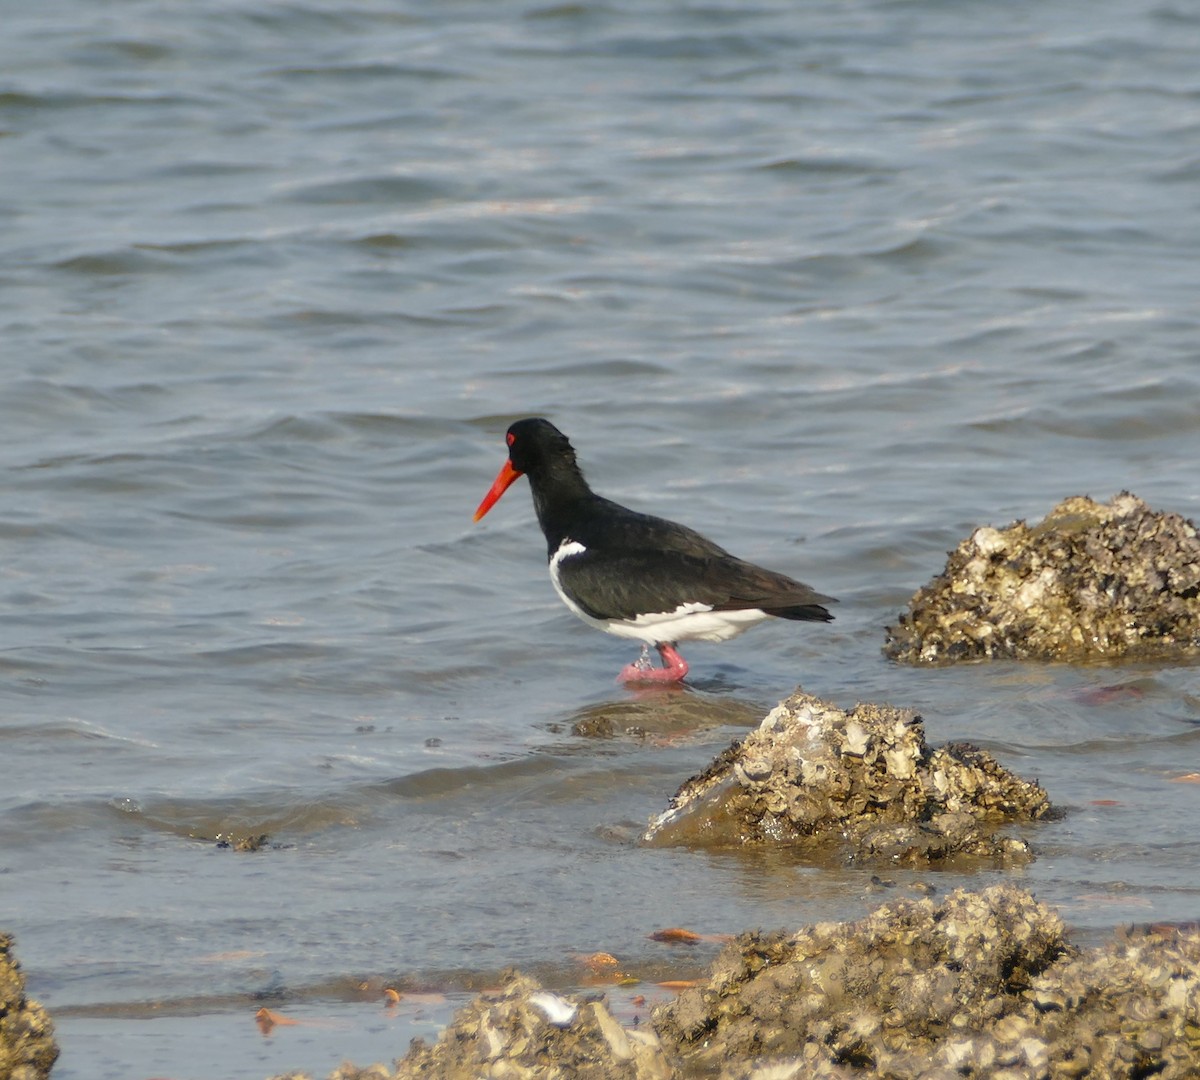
column 691, row 622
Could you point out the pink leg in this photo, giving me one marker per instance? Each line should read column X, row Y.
column 640, row 671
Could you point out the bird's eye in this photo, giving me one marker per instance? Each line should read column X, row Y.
column 510, row 439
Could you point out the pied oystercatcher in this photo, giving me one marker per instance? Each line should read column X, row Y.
column 635, row 575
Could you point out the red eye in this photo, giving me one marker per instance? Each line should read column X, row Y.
column 510, row 439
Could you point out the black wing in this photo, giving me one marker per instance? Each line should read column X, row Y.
column 626, row 583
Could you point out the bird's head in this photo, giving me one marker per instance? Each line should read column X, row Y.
column 535, row 447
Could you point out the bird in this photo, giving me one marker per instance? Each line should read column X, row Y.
column 635, row 575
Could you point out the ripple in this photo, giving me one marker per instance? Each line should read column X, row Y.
column 359, row 190
column 128, row 262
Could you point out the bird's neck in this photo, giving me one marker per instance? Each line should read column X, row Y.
column 560, row 493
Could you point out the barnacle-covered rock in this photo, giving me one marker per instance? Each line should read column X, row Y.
column 900, row 992
column 1091, row 581
column 525, row 1031
column 984, row 986
column 27, row 1046
column 814, row 775
column 1129, row 1009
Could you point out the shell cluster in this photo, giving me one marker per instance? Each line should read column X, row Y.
column 982, row 985
column 27, row 1046
column 523, row 1031
column 864, row 781
column 1091, row 581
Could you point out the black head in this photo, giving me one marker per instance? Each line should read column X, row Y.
column 538, row 449
column 536, row 446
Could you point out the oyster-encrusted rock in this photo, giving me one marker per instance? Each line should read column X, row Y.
column 1129, row 1009
column 27, row 1046
column 813, row 775
column 890, row 991
column 1091, row 581
column 983, row 985
column 525, row 1031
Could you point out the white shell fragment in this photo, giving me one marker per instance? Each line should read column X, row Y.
column 559, row 1011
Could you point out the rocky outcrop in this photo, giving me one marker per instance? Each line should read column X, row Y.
column 863, row 782
column 525, row 1031
column 983, row 985
column 1091, row 581
column 27, row 1046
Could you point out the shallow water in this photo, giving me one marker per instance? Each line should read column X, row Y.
column 833, row 283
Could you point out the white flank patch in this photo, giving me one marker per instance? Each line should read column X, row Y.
column 688, row 622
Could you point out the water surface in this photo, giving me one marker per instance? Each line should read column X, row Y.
column 833, row 283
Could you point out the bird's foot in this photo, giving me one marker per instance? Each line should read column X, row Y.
column 643, row 671
column 638, row 670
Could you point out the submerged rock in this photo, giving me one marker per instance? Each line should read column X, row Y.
column 1091, row 581
column 865, row 781
column 525, row 1031
column 982, row 985
column 27, row 1046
